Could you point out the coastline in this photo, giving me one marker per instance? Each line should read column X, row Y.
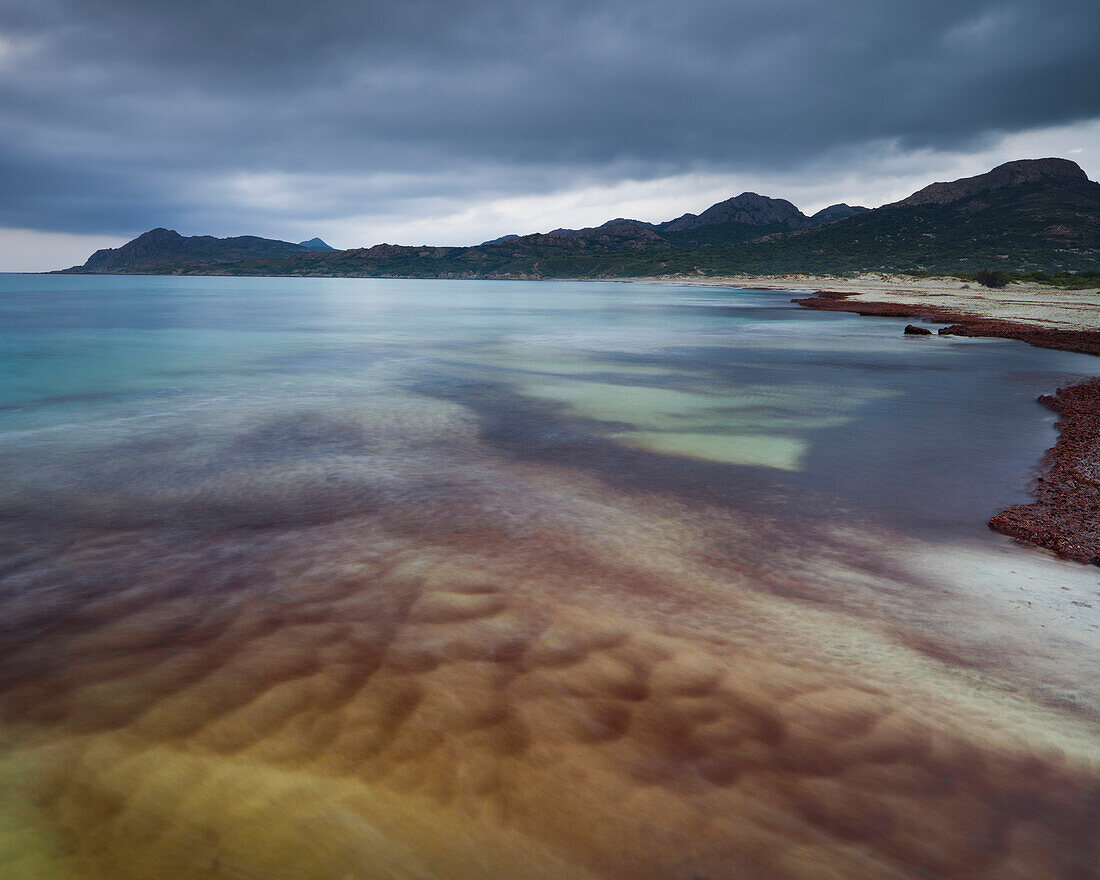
column 1065, row 516
column 945, row 300
column 453, row 630
column 1067, row 490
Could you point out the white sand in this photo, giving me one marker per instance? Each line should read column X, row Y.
column 1034, row 304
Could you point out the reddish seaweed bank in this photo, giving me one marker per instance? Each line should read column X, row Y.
column 1065, row 517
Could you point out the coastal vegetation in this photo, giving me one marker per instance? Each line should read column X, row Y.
column 992, row 277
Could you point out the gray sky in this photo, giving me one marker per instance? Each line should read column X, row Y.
column 453, row 122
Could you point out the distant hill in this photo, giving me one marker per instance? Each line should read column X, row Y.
column 748, row 209
column 836, row 212
column 315, row 244
column 1029, row 215
column 742, row 218
column 1032, row 214
column 1011, row 174
column 165, row 248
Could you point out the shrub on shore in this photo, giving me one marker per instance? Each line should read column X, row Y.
column 992, row 278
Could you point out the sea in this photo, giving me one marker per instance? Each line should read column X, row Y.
column 382, row 578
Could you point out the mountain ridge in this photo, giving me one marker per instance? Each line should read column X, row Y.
column 316, row 244
column 1025, row 215
column 748, row 208
column 1014, row 173
column 153, row 248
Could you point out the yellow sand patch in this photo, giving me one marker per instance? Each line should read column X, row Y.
column 784, row 453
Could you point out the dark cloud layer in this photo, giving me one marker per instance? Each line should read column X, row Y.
column 116, row 115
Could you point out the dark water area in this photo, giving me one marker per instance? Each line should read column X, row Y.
column 314, row 578
column 938, row 441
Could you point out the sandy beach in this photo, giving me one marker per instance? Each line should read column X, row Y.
column 1037, row 305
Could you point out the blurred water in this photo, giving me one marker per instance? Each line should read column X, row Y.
column 315, row 578
column 118, row 385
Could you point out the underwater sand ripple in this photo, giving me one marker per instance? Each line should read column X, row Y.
column 415, row 709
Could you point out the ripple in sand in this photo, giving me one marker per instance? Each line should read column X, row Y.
column 463, row 712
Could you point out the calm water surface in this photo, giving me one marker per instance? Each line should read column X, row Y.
column 382, row 578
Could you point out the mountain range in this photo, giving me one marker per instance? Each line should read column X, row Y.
column 161, row 247
column 1027, row 215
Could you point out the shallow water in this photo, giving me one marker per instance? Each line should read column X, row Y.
column 364, row 578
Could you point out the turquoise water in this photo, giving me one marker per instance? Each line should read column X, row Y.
column 308, row 578
column 738, row 394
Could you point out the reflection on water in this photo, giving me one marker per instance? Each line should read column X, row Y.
column 316, row 579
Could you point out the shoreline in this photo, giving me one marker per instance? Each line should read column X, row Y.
column 344, row 609
column 1065, row 515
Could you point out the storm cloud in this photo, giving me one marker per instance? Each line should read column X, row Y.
column 249, row 116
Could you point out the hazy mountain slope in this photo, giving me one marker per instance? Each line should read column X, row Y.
column 748, row 208
column 316, row 244
column 1046, row 221
column 836, row 212
column 166, row 247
